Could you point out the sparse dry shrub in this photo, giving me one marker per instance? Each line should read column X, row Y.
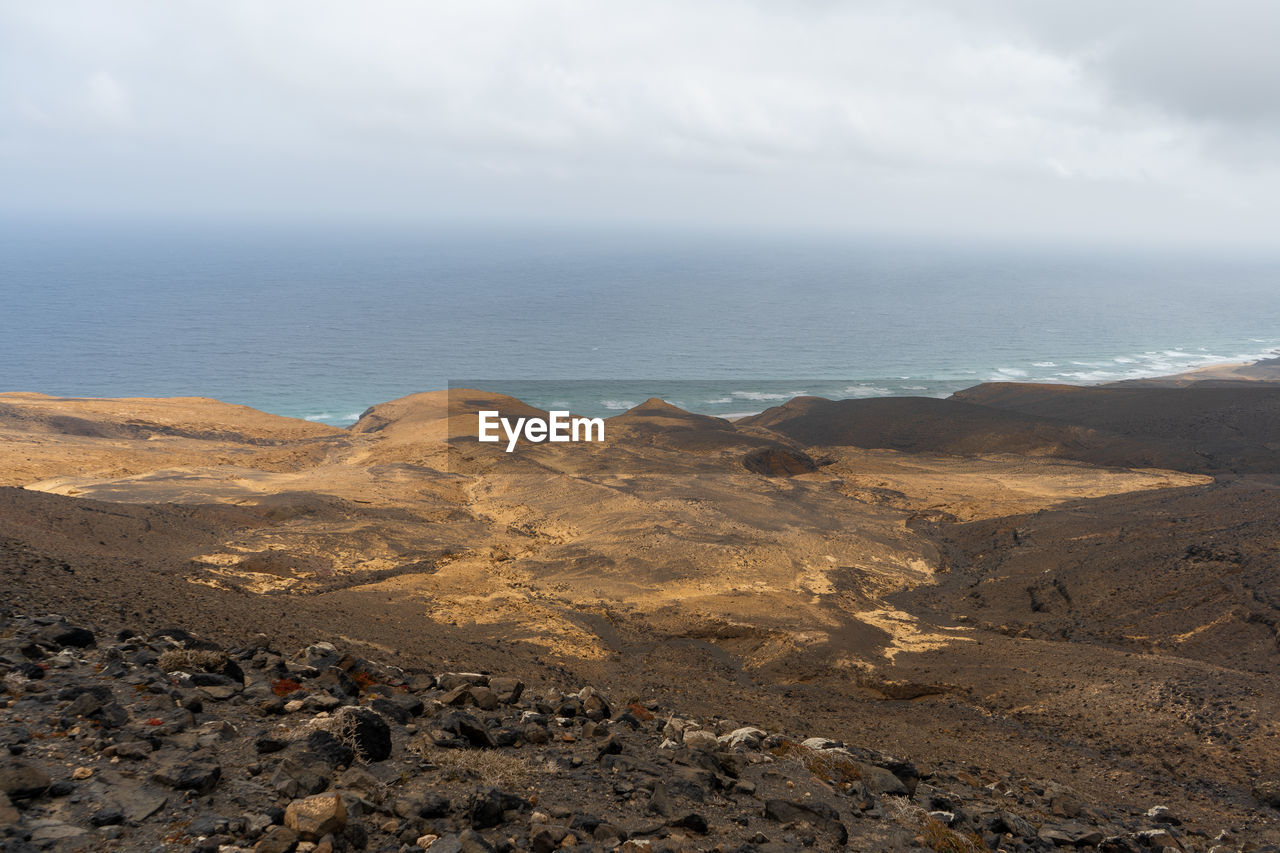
column 192, row 660
column 341, row 724
column 489, row 767
column 834, row 768
column 936, row 835
column 943, row 839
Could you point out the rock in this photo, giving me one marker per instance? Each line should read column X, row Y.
column 745, row 738
column 878, row 780
column 470, row 841
column 47, row 832
column 701, row 740
column 594, row 705
column 325, row 746
column 1157, row 839
column 294, row 778
column 1267, row 793
column 691, row 821
column 393, row 711
column 484, row 698
column 277, row 839
column 1055, row 836
column 268, row 745
column 817, row 814
column 660, row 801
column 9, row 816
column 821, row 743
column 21, row 781
column 1162, row 814
column 449, row 680
column 611, row 746
column 458, row 696
column 779, row 462
column 485, row 810
column 63, row 635
column 906, row 772
column 372, row 734
column 1064, row 803
column 107, row 816
column 134, row 750
column 316, row 816
column 433, row 806
column 508, row 690
column 467, row 727
column 139, row 804
column 1008, row 822
column 84, row 705
column 189, row 774
column 1071, row 835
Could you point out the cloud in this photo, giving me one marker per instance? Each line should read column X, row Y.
column 1083, row 118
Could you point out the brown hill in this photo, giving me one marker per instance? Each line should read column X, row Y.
column 1187, row 571
column 957, row 426
column 1231, row 428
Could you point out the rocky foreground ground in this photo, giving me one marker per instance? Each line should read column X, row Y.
column 169, row 742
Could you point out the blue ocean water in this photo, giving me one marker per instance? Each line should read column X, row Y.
column 323, row 324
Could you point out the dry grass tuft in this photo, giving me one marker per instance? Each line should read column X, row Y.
column 934, row 834
column 341, row 724
column 832, row 767
column 491, row 768
column 945, row 840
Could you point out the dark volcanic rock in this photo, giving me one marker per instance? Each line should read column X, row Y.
column 779, row 462
column 371, row 733
column 20, row 780
column 818, row 814
column 188, row 774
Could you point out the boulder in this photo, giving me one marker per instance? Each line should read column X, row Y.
column 702, row 741
column 189, row 774
column 277, row 839
column 371, row 733
column 779, row 462
column 508, row 690
column 21, row 781
column 817, row 814
column 316, row 816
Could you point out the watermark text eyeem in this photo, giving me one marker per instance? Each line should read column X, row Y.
column 558, row 426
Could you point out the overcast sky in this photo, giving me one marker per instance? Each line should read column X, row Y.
column 1083, row 119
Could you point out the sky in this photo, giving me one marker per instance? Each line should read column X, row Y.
column 1147, row 121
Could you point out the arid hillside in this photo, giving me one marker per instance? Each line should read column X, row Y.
column 1073, row 584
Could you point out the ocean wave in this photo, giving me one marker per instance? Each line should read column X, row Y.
column 332, row 419
column 618, row 405
column 764, row 396
column 866, row 391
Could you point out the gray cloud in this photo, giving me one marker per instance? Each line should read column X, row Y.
column 1140, row 120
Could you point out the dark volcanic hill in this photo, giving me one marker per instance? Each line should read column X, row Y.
column 1203, row 429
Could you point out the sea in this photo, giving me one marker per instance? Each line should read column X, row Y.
column 323, row 322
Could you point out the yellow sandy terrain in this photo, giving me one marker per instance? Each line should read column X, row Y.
column 662, row 523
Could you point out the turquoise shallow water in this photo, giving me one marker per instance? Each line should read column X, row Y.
column 323, row 324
